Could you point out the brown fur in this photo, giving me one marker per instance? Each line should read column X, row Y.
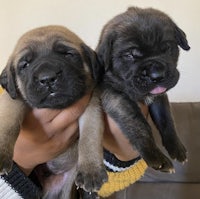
column 83, row 162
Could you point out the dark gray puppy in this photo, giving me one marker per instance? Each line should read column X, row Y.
column 139, row 52
column 51, row 67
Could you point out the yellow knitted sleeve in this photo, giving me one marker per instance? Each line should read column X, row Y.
column 120, row 180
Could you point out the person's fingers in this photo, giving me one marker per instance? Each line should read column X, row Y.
column 61, row 141
column 59, row 119
column 45, row 115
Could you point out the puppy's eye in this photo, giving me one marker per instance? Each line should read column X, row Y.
column 68, row 54
column 134, row 54
column 25, row 61
column 23, row 65
column 137, row 53
column 64, row 50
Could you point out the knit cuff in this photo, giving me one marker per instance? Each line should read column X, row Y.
column 120, row 180
column 115, row 165
column 21, row 183
column 121, row 174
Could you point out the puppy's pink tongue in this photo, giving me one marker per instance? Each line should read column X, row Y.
column 158, row 90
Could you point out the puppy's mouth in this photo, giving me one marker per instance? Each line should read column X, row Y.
column 57, row 98
column 52, row 94
column 158, row 90
column 53, row 99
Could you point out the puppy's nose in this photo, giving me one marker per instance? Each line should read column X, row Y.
column 156, row 72
column 47, row 77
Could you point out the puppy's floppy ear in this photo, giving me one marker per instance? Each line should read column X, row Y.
column 181, row 38
column 91, row 59
column 7, row 80
column 105, row 48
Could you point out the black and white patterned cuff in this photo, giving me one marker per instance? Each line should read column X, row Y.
column 20, row 184
column 115, row 165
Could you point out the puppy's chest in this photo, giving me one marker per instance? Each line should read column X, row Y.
column 148, row 100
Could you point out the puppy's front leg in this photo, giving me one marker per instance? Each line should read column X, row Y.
column 128, row 116
column 91, row 172
column 162, row 117
column 11, row 116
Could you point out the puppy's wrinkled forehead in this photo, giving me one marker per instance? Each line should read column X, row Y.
column 45, row 38
column 152, row 23
column 148, row 25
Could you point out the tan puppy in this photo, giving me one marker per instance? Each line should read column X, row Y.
column 51, row 67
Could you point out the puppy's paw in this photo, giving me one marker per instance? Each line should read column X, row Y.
column 91, row 179
column 158, row 161
column 5, row 163
column 176, row 150
column 88, row 195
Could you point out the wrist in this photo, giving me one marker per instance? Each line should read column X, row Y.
column 26, row 171
column 24, row 161
column 126, row 156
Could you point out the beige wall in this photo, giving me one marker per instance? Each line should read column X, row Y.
column 86, row 18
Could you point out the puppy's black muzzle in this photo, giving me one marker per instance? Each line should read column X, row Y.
column 54, row 84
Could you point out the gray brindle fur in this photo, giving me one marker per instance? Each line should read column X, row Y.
column 139, row 52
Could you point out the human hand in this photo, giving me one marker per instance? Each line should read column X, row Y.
column 47, row 133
